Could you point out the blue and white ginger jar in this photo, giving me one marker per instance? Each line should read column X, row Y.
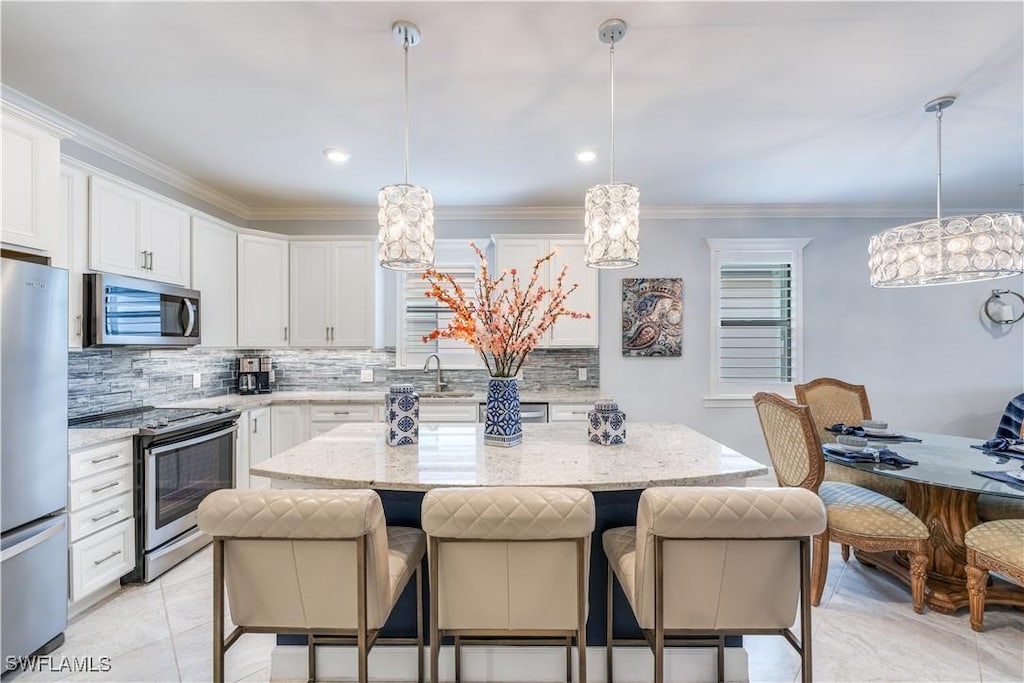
column 606, row 424
column 402, row 414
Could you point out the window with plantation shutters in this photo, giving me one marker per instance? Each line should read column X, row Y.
column 419, row 315
column 756, row 307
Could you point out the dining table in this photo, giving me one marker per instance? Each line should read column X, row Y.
column 942, row 490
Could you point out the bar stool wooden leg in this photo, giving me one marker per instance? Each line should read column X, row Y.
column 310, row 658
column 581, row 611
column 218, row 611
column 568, row 659
column 458, row 660
column 419, row 623
column 435, row 636
column 721, row 659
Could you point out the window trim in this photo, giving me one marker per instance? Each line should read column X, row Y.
column 768, row 250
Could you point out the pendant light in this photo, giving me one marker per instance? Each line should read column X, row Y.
column 406, row 212
column 947, row 250
column 611, row 212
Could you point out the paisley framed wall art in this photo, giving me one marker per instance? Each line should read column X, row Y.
column 652, row 316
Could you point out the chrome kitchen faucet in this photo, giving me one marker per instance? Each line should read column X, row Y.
column 426, row 368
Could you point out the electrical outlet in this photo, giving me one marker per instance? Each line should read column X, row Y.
column 366, row 375
column 197, row 380
column 582, row 372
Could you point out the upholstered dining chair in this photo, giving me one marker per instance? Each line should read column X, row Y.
column 318, row 563
column 857, row 517
column 996, row 546
column 737, row 562
column 508, row 561
column 833, row 401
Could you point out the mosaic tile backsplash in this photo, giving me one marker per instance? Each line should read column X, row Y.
column 103, row 380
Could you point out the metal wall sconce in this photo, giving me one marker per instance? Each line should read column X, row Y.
column 1000, row 311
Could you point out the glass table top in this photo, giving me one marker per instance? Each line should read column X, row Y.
column 947, row 461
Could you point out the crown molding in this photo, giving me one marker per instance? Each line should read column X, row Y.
column 118, row 151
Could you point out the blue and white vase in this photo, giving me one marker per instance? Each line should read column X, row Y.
column 503, row 424
column 606, row 424
column 402, row 414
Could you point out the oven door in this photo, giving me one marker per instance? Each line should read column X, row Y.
column 178, row 475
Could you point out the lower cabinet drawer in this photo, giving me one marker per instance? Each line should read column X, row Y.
column 100, row 516
column 343, row 412
column 569, row 412
column 447, row 412
column 99, row 487
column 100, row 458
column 102, row 558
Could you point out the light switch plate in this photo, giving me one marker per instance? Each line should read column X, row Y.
column 582, row 372
column 197, row 380
column 366, row 375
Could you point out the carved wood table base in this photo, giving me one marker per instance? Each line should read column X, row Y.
column 948, row 514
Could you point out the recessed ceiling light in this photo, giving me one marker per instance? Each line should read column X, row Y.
column 586, row 156
column 336, row 155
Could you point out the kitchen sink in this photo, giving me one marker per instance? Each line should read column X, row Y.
column 445, row 394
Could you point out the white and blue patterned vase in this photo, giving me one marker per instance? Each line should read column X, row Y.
column 606, row 424
column 402, row 413
column 503, row 424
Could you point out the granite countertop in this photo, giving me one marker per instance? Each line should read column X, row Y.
column 83, row 438
column 553, row 454
column 285, row 397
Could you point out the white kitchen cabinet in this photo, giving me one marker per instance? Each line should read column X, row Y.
column 215, row 275
column 332, row 292
column 289, row 426
column 100, row 517
column 262, row 292
column 74, row 213
column 513, row 251
column 252, row 446
column 31, row 172
column 448, row 411
column 323, row 417
column 137, row 234
column 569, row 412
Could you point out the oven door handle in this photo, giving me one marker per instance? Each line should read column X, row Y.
column 190, row 442
column 191, row 310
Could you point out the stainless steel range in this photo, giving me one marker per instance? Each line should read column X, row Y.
column 181, row 455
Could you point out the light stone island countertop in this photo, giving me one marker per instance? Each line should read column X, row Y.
column 553, row 454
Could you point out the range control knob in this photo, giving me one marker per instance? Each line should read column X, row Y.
column 162, row 422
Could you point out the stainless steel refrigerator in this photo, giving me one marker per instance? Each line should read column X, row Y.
column 33, row 457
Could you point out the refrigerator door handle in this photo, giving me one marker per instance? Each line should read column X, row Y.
column 32, row 542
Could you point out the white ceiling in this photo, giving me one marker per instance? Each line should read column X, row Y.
column 718, row 103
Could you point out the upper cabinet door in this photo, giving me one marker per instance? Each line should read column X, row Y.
column 354, row 289
column 31, row 190
column 166, row 237
column 215, row 275
column 310, row 293
column 567, row 332
column 521, row 253
column 262, row 292
column 115, row 219
column 74, row 213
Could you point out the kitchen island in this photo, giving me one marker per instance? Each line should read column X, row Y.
column 453, row 454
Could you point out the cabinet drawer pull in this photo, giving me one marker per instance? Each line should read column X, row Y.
column 106, row 486
column 579, row 412
column 108, row 557
column 78, row 325
column 96, row 461
column 106, row 514
column 286, row 333
column 340, row 412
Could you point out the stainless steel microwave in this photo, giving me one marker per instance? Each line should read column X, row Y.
column 127, row 311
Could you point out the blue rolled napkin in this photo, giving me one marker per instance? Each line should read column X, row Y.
column 879, row 455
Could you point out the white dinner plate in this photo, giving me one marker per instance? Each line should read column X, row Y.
column 879, row 432
column 843, row 448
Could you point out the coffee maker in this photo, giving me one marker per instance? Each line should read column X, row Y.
column 254, row 374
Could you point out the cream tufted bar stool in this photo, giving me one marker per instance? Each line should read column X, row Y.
column 737, row 562
column 996, row 546
column 508, row 561
column 857, row 516
column 832, row 401
column 319, row 563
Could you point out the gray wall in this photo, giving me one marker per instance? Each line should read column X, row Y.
column 926, row 358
